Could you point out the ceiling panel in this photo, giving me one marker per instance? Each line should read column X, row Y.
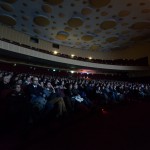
column 96, row 25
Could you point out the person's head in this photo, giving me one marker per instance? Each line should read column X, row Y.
column 17, row 87
column 42, row 84
column 16, row 78
column 98, row 88
column 56, row 81
column 35, row 81
column 62, row 82
column 19, row 81
column 28, row 79
column 76, row 86
column 6, row 79
column 48, row 84
column 70, row 86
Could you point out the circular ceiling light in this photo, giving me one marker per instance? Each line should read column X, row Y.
column 108, row 24
column 123, row 13
column 62, row 35
column 41, row 21
column 140, row 25
column 8, row 20
column 6, row 7
column 46, row 8
column 99, row 3
column 87, row 37
column 75, row 22
column 94, row 47
column 68, row 29
column 86, row 11
column 112, row 39
column 53, row 2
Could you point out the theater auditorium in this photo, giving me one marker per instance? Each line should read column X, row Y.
column 74, row 74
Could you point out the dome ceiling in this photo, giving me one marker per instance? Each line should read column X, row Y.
column 96, row 25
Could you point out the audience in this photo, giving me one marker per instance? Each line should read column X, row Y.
column 40, row 95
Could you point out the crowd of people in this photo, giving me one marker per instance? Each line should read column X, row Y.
column 26, row 97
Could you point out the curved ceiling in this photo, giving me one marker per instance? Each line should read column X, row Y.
column 86, row 24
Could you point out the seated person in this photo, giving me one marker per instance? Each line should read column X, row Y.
column 68, row 97
column 17, row 105
column 5, row 87
column 5, row 90
column 77, row 97
column 36, row 94
column 53, row 99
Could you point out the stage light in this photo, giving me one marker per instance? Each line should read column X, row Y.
column 90, row 58
column 54, row 70
column 55, row 52
column 72, row 71
column 72, row 55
